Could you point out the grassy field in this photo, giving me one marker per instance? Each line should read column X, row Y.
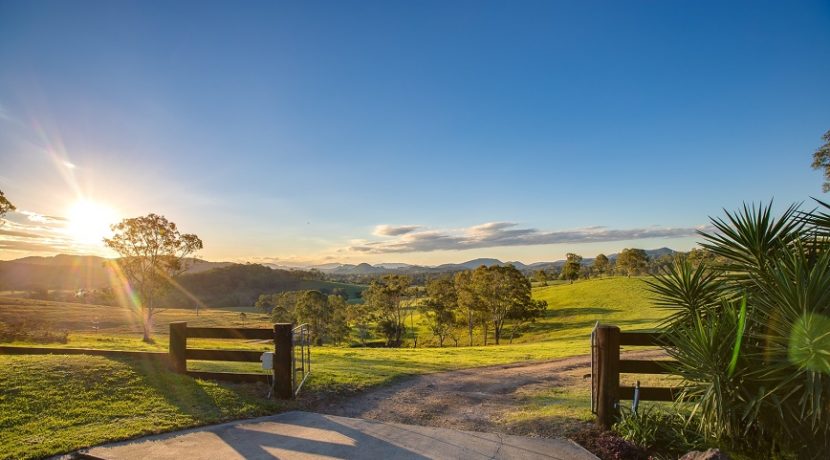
column 573, row 309
column 84, row 415
column 53, row 404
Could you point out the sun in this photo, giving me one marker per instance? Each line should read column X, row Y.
column 89, row 222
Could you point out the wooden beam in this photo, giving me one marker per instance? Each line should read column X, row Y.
column 229, row 376
column 145, row 355
column 650, row 393
column 224, row 355
column 641, row 366
column 644, row 339
column 229, row 333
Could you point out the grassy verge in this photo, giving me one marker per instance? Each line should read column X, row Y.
column 53, row 404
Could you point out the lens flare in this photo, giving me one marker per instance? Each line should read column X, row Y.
column 810, row 343
column 89, row 222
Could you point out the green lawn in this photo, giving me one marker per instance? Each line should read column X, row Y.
column 89, row 400
column 54, row 404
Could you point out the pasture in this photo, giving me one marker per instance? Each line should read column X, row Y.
column 79, row 399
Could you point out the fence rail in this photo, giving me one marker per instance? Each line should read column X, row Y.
column 280, row 379
column 283, row 379
column 606, row 367
column 143, row 355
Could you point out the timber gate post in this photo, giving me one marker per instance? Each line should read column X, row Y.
column 608, row 367
column 178, row 347
column 283, row 360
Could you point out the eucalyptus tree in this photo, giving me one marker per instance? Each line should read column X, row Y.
column 504, row 294
column 440, row 308
column 385, row 298
column 152, row 251
column 5, row 205
column 601, row 264
column 572, row 267
column 632, row 261
column 821, row 160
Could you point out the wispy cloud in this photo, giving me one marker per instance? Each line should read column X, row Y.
column 497, row 234
column 28, row 231
column 394, row 230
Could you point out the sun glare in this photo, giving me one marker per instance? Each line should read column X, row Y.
column 89, row 222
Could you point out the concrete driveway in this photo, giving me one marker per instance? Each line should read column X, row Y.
column 305, row 435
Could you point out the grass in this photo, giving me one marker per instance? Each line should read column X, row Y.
column 58, row 403
column 574, row 309
column 81, row 400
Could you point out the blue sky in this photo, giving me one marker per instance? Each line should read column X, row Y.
column 294, row 132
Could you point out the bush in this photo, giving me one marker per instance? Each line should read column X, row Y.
column 662, row 434
column 31, row 331
column 750, row 329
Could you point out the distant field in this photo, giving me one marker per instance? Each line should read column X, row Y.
column 573, row 309
column 85, row 415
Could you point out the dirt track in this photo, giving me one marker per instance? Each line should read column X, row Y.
column 471, row 399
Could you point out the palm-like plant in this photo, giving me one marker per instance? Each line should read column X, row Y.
column 751, row 333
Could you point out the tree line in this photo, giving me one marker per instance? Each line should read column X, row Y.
column 486, row 300
column 629, row 262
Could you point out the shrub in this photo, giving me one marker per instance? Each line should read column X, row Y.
column 31, row 331
column 750, row 331
column 663, row 434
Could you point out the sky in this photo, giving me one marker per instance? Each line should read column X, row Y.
column 419, row 132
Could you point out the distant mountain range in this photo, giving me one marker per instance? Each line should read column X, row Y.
column 71, row 272
column 89, row 272
column 383, row 268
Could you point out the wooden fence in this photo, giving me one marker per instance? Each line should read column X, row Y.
column 156, row 356
column 281, row 377
column 606, row 367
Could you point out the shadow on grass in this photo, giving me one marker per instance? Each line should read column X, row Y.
column 203, row 401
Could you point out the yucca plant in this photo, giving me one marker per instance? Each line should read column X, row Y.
column 751, row 332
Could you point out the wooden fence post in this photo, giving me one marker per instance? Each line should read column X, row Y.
column 283, row 362
column 178, row 346
column 608, row 351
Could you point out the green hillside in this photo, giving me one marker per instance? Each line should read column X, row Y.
column 572, row 311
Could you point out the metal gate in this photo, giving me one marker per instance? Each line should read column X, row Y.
column 301, row 369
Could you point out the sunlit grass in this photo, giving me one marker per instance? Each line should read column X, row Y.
column 57, row 403
column 90, row 410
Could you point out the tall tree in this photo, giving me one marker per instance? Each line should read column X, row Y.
column 601, row 264
column 573, row 264
column 5, row 205
column 524, row 313
column 468, row 302
column 281, row 306
column 541, row 277
column 821, row 160
column 386, row 299
column 504, row 292
column 440, row 307
column 152, row 252
column 632, row 261
column 360, row 316
column 313, row 309
column 337, row 329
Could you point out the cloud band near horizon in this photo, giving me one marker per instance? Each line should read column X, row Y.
column 408, row 238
